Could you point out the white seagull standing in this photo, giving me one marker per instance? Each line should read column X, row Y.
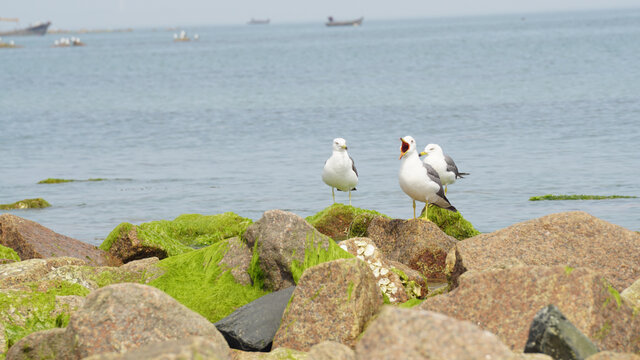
column 420, row 181
column 339, row 170
column 443, row 164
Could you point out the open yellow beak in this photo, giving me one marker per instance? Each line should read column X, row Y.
column 403, row 148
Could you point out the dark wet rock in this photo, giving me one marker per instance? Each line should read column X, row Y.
column 505, row 301
column 331, row 350
column 31, row 240
column 552, row 334
column 575, row 239
column 419, row 244
column 128, row 242
column 123, row 317
column 194, row 347
column 47, row 344
column 417, row 334
column 253, row 326
column 333, row 301
column 237, row 259
column 610, row 355
column 282, row 237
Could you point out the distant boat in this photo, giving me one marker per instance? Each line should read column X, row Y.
column 259, row 21
column 36, row 29
column 356, row 22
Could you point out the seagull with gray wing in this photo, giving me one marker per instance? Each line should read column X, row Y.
column 443, row 164
column 420, row 181
column 339, row 170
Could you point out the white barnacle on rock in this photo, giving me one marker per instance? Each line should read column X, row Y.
column 392, row 288
column 360, row 257
column 378, row 263
column 368, row 251
column 360, row 243
column 360, row 251
column 383, row 281
column 344, row 247
column 376, row 272
column 384, row 271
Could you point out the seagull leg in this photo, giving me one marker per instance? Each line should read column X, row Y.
column 414, row 209
column 445, row 189
column 349, row 197
column 333, row 194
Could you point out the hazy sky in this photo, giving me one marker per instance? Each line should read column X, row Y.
column 98, row 14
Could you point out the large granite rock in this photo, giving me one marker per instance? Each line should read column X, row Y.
column 419, row 244
column 194, row 347
column 282, row 237
column 26, row 271
column 123, row 317
column 93, row 277
column 331, row 350
column 505, row 301
column 576, row 239
column 34, row 241
column 275, row 354
column 120, row 318
column 253, row 326
column 333, row 301
column 47, row 344
column 417, row 334
column 552, row 334
column 388, row 277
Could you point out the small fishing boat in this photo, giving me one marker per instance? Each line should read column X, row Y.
column 356, row 22
column 259, row 21
column 35, row 29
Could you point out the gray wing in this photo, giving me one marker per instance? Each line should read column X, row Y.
column 353, row 166
column 451, row 166
column 433, row 175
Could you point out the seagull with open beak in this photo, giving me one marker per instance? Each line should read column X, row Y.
column 420, row 181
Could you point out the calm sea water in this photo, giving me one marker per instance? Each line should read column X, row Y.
column 243, row 119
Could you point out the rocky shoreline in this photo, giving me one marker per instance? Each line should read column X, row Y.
column 346, row 283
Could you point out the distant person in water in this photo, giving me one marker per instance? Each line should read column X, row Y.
column 330, row 18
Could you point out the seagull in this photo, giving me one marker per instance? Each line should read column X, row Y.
column 418, row 180
column 339, row 170
column 443, row 164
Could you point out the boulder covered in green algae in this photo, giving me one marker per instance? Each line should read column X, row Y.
column 452, row 223
column 8, row 254
column 169, row 238
column 32, row 307
column 37, row 203
column 201, row 281
column 341, row 222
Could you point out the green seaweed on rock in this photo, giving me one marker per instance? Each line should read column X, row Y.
column 452, row 223
column 196, row 281
column 28, row 311
column 8, row 253
column 314, row 255
column 579, row 197
column 341, row 221
column 147, row 237
column 37, row 203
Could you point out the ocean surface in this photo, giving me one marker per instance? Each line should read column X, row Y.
column 243, row 119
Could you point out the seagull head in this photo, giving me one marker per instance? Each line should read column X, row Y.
column 432, row 149
column 408, row 145
column 339, row 144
